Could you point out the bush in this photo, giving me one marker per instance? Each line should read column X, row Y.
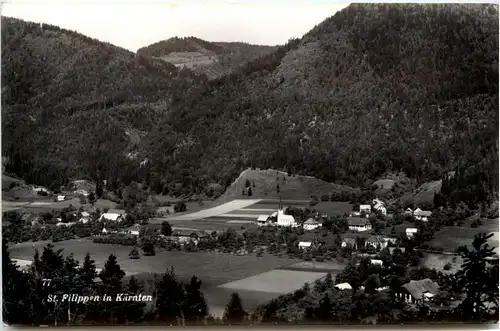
column 447, row 266
column 325, row 198
column 134, row 254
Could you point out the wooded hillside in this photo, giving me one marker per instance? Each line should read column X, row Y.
column 374, row 89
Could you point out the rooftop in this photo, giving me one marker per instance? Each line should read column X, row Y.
column 417, row 288
column 358, row 221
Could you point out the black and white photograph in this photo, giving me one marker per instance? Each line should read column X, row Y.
column 206, row 163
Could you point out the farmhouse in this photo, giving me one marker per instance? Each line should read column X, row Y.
column 305, row 244
column 61, row 198
column 408, row 211
column 377, row 262
column 263, row 220
column 133, row 230
column 376, row 242
column 349, row 242
column 115, row 217
column 354, row 213
column 378, row 205
column 359, row 224
column 418, row 291
column 343, row 286
column 365, row 209
column 40, row 189
column 410, row 232
column 422, row 215
column 311, row 224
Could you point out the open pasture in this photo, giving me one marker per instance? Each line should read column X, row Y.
column 451, row 237
column 332, row 267
column 210, row 267
column 275, row 281
column 214, row 211
column 438, row 261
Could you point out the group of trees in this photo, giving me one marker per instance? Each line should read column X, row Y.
column 28, row 295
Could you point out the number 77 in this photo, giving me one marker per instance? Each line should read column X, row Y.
column 46, row 281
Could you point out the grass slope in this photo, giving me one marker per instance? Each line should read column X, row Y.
column 295, row 187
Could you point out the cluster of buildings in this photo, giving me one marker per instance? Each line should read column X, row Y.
column 414, row 292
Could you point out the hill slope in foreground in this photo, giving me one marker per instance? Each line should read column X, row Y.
column 213, row 59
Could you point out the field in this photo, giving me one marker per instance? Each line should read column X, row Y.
column 450, row 238
column 214, row 211
column 438, row 261
column 275, row 281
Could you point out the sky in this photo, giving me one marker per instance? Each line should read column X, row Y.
column 132, row 24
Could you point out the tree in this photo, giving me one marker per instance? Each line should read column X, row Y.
column 148, row 248
column 194, row 306
column 92, row 198
column 166, row 229
column 234, row 312
column 134, row 254
column 478, row 276
column 324, row 311
column 16, row 292
column 134, row 310
column 249, row 191
column 111, row 276
column 170, row 297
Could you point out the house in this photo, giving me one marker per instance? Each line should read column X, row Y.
column 85, row 214
column 104, row 231
column 389, row 240
column 343, row 286
column 410, row 232
column 378, row 205
column 68, row 225
column 354, row 213
column 305, row 244
column 40, row 189
column 133, row 230
column 418, row 291
column 377, row 262
column 286, row 220
column 311, row 224
column 115, row 217
column 85, row 193
column 359, row 224
column 117, row 211
column 422, row 215
column 61, row 198
column 408, row 211
column 263, row 220
column 365, row 209
column 392, row 249
column 349, row 242
column 376, row 242
column 166, row 210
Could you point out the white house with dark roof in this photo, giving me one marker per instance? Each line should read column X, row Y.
column 359, row 224
column 263, row 220
column 305, row 244
column 349, row 242
column 376, row 242
column 410, row 232
column 418, row 291
column 422, row 215
column 365, row 209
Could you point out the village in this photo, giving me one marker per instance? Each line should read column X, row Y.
column 305, row 242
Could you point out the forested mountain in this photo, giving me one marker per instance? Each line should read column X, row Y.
column 376, row 88
column 211, row 58
column 69, row 100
